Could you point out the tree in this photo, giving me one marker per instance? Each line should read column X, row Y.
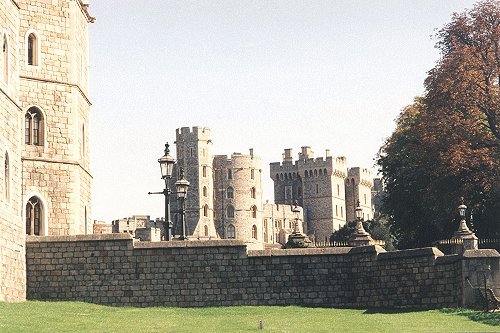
column 466, row 78
column 377, row 228
column 446, row 143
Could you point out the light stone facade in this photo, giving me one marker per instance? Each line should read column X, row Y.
column 238, row 198
column 317, row 185
column 194, row 156
column 279, row 222
column 358, row 186
column 44, row 119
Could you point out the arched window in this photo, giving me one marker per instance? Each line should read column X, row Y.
column 254, row 231
column 230, row 212
column 277, row 177
column 7, row 177
column 320, row 172
column 33, row 127
column 34, row 211
column 254, row 211
column 230, row 193
column 281, row 176
column 252, row 173
column 324, row 172
column 229, row 174
column 231, row 231
column 205, row 210
column 5, row 59
column 205, row 228
column 315, row 173
column 32, row 49
column 204, row 191
column 338, row 190
column 204, row 171
column 253, row 193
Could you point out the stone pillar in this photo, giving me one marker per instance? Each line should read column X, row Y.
column 360, row 236
column 480, row 269
column 467, row 237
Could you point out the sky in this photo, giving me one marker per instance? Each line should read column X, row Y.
column 264, row 74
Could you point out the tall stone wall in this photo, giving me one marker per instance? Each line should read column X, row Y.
column 111, row 269
column 56, row 170
column 12, row 251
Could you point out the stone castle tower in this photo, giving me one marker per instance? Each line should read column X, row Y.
column 44, row 105
column 194, row 155
column 316, row 184
column 358, row 186
column 238, row 198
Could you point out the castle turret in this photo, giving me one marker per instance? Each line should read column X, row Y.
column 238, row 198
column 194, row 155
column 358, row 186
column 317, row 185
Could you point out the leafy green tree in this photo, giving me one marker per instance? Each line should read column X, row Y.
column 446, row 143
column 378, row 228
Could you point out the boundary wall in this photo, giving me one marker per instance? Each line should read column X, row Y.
column 115, row 270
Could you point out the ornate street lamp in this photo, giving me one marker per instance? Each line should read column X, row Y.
column 182, row 187
column 166, row 167
column 360, row 230
column 296, row 212
column 297, row 239
column 463, row 229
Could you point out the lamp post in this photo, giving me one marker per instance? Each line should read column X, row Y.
column 297, row 239
column 360, row 237
column 360, row 230
column 182, row 186
column 463, row 229
column 467, row 237
column 166, row 167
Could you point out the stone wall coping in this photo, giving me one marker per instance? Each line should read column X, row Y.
column 447, row 259
column 189, row 244
column 367, row 249
column 412, row 253
column 79, row 238
column 298, row 252
column 481, row 253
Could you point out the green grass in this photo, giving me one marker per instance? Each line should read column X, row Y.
column 51, row 317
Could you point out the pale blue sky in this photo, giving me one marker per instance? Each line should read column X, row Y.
column 262, row 74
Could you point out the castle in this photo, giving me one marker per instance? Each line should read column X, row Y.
column 225, row 199
column 44, row 119
column 45, row 183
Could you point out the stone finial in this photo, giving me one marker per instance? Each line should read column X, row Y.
column 470, row 241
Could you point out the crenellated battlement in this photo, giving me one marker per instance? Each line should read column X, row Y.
column 195, row 133
column 361, row 176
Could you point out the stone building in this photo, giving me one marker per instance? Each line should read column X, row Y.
column 317, row 185
column 44, row 116
column 238, row 198
column 279, row 222
column 194, row 156
column 358, row 186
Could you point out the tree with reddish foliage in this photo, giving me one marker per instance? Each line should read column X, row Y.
column 447, row 144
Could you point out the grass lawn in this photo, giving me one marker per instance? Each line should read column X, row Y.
column 51, row 317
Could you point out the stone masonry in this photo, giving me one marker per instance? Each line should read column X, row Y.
column 113, row 270
column 44, row 117
column 316, row 184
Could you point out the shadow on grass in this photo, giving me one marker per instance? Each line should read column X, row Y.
column 489, row 318
column 392, row 310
